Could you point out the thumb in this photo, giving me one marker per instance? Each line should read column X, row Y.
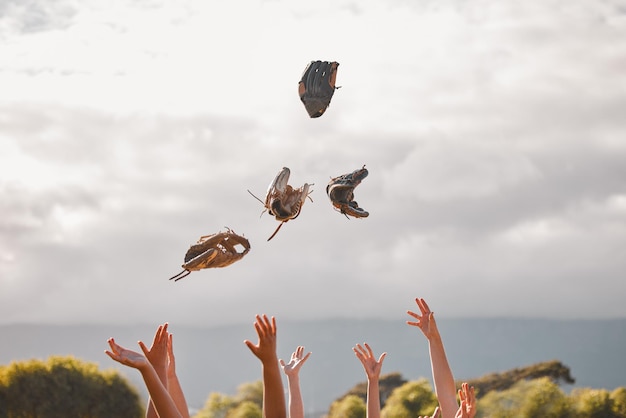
column 250, row 345
column 143, row 348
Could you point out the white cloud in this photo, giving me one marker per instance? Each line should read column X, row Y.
column 538, row 232
column 492, row 132
column 443, row 169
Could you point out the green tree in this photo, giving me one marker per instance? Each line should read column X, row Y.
column 409, row 400
column 65, row 386
column 592, row 403
column 216, row 406
column 351, row 406
column 246, row 409
column 526, row 399
column 387, row 383
column 219, row 405
column 618, row 396
column 251, row 392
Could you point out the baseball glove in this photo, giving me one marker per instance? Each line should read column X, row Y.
column 282, row 201
column 340, row 190
column 317, row 86
column 212, row 251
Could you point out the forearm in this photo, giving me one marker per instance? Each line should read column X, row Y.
column 150, row 411
column 296, row 406
column 273, row 396
column 177, row 394
column 443, row 378
column 163, row 403
column 162, row 374
column 373, row 399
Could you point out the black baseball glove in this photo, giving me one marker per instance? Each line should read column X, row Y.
column 317, row 86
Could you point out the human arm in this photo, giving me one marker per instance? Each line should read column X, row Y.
column 445, row 388
column 163, row 403
column 265, row 350
column 173, row 384
column 157, row 356
column 292, row 370
column 161, row 356
column 372, row 370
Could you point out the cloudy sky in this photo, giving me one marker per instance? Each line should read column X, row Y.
column 494, row 133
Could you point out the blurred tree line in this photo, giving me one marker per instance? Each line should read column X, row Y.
column 67, row 387
column 527, row 392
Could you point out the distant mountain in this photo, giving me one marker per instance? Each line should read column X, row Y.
column 216, row 360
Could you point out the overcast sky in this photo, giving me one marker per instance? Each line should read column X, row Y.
column 494, row 133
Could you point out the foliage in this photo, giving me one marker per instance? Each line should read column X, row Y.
column 554, row 370
column 526, row 399
column 409, row 400
column 542, row 397
column 350, row 406
column 251, row 392
column 245, row 404
column 551, row 401
column 246, row 409
column 593, row 403
column 618, row 396
column 387, row 383
column 216, row 406
column 65, row 387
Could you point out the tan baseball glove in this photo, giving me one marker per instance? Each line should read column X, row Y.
column 213, row 251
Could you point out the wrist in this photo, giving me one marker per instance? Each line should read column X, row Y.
column 269, row 361
column 146, row 369
column 435, row 339
column 373, row 380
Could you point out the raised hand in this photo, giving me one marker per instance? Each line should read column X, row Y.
column 445, row 388
column 468, row 402
column 164, row 405
column 291, row 369
column 426, row 321
column 372, row 370
column 157, row 353
column 370, row 364
column 265, row 350
column 127, row 357
column 296, row 362
column 266, row 331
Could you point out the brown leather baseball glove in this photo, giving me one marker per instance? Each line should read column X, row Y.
column 282, row 201
column 212, row 251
